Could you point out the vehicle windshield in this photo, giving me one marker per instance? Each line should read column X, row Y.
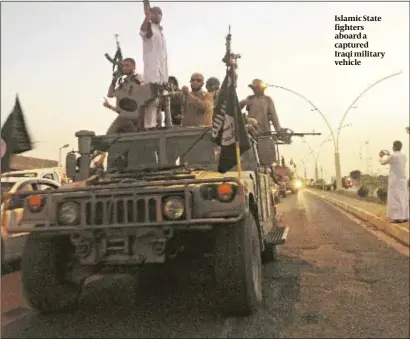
column 193, row 149
column 21, row 175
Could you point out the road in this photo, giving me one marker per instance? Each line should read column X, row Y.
column 335, row 279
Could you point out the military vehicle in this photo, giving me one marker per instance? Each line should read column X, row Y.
column 159, row 197
column 144, row 210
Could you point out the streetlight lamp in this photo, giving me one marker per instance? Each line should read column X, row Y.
column 59, row 154
column 335, row 138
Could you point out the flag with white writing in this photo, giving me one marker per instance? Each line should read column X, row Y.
column 228, row 125
column 15, row 138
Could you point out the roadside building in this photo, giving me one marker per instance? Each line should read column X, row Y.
column 20, row 163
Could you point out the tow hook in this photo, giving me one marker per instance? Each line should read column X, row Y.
column 158, row 246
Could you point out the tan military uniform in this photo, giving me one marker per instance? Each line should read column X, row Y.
column 196, row 114
column 261, row 108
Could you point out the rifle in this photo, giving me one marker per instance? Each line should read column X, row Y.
column 230, row 58
column 117, row 60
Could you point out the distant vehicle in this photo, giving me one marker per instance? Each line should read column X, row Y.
column 54, row 173
column 295, row 185
column 12, row 245
column 282, row 175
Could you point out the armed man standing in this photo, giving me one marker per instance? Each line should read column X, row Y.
column 127, row 75
column 199, row 105
column 155, row 58
column 261, row 109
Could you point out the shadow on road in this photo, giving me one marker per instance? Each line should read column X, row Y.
column 110, row 309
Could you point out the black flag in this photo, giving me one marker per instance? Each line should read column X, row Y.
column 228, row 125
column 14, row 136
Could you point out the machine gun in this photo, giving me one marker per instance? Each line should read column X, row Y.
column 117, row 60
column 283, row 138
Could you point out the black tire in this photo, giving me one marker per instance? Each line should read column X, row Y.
column 238, row 267
column 44, row 265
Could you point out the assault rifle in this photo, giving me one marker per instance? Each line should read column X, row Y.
column 230, row 58
column 117, row 60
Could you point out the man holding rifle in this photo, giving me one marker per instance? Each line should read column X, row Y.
column 155, row 57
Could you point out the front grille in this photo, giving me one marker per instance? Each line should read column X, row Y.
column 111, row 211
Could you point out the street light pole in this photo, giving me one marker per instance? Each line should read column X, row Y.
column 335, row 138
column 337, row 152
column 59, row 154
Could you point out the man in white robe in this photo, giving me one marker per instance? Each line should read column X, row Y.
column 155, row 59
column 397, row 193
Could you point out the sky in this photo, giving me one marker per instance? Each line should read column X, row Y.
column 52, row 55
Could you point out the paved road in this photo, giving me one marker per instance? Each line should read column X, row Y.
column 334, row 279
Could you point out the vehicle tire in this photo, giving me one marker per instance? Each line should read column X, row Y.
column 44, row 265
column 283, row 194
column 238, row 267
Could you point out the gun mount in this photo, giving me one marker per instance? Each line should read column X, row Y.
column 285, row 137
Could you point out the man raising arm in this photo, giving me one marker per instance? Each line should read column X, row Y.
column 155, row 58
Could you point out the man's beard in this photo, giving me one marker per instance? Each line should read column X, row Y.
column 196, row 89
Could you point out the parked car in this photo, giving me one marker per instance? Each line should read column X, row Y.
column 53, row 173
column 12, row 245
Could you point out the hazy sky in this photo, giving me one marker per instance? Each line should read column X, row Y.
column 52, row 55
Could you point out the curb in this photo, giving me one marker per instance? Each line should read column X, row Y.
column 396, row 231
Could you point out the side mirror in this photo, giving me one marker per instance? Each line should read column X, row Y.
column 70, row 165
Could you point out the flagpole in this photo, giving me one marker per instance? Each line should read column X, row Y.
column 237, row 145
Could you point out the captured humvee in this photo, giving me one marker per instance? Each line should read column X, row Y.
column 159, row 197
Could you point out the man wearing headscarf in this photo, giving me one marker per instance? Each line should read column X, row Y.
column 199, row 105
column 261, row 108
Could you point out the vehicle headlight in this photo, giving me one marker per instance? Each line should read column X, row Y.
column 174, row 207
column 298, row 184
column 68, row 213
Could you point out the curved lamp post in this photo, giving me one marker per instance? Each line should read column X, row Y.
column 316, row 153
column 335, row 138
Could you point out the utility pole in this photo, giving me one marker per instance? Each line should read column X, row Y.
column 368, row 159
